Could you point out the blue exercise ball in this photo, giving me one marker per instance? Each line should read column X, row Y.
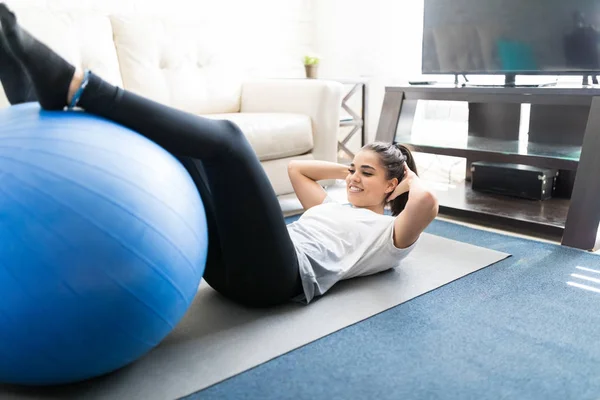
column 103, row 243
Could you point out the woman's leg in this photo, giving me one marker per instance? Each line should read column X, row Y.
column 257, row 263
column 259, row 260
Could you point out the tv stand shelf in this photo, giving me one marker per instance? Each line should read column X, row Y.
column 547, row 217
column 564, row 133
column 536, row 154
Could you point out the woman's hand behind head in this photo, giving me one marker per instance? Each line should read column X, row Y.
column 404, row 185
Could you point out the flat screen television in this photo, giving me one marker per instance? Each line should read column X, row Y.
column 511, row 37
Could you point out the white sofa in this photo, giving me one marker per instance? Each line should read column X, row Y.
column 172, row 61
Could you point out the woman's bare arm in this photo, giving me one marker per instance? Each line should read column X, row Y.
column 305, row 174
column 421, row 208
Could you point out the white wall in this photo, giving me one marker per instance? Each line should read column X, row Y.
column 378, row 39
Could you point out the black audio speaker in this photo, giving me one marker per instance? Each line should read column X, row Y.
column 515, row 180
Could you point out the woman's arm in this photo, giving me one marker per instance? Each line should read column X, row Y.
column 421, row 208
column 304, row 175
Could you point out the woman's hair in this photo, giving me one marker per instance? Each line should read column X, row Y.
column 392, row 157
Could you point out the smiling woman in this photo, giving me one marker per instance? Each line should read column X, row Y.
column 340, row 241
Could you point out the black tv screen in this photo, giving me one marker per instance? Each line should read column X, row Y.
column 550, row 37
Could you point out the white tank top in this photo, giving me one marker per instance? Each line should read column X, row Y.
column 336, row 241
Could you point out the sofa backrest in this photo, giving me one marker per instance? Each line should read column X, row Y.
column 168, row 59
column 172, row 61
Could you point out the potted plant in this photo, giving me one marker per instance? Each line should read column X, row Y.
column 311, row 65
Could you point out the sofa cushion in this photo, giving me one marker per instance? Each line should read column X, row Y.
column 173, row 62
column 273, row 135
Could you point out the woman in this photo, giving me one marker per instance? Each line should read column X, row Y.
column 336, row 241
column 253, row 258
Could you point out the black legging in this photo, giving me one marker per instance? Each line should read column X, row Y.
column 251, row 258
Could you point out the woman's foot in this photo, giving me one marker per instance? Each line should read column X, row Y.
column 15, row 81
column 50, row 74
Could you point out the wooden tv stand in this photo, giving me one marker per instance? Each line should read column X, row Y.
column 564, row 133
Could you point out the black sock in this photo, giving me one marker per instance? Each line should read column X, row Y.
column 50, row 74
column 15, row 81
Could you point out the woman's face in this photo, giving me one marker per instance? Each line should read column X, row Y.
column 367, row 185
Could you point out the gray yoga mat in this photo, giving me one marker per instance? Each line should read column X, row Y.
column 218, row 339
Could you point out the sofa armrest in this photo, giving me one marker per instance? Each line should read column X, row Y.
column 321, row 100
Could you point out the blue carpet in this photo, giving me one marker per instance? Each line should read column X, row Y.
column 514, row 330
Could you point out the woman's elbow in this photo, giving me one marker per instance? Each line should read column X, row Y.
column 428, row 204
column 293, row 167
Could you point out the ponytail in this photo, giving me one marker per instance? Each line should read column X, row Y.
column 399, row 203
